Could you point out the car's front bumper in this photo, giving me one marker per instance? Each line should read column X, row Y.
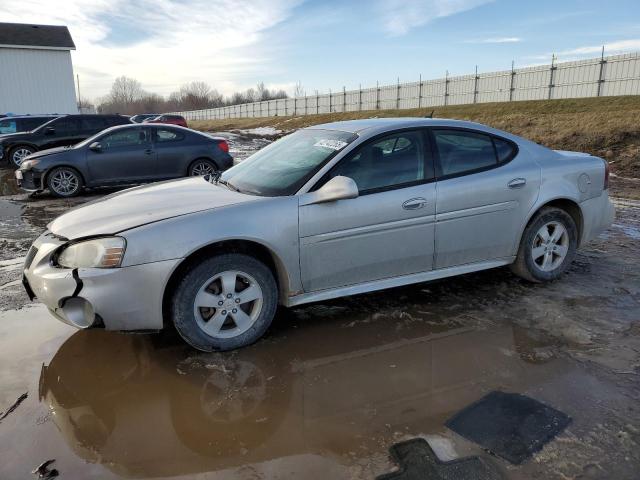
column 126, row 298
column 29, row 180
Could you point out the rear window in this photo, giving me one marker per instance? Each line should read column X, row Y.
column 165, row 135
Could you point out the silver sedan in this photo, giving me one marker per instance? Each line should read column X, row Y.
column 329, row 211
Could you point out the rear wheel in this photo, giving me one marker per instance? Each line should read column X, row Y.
column 547, row 247
column 19, row 153
column 224, row 302
column 64, row 182
column 202, row 167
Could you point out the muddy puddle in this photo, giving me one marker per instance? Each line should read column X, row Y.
column 332, row 385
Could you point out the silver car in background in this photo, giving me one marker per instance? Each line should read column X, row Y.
column 329, row 211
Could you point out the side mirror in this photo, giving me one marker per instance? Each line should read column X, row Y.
column 338, row 188
column 49, row 131
column 96, row 147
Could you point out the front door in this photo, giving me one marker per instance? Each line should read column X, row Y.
column 387, row 231
column 485, row 190
column 126, row 155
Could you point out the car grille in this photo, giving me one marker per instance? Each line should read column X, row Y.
column 31, row 254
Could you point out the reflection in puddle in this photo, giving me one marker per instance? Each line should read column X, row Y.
column 149, row 406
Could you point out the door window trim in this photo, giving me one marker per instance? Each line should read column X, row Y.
column 429, row 161
column 498, row 164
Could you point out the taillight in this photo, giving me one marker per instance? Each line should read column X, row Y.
column 606, row 175
column 224, row 146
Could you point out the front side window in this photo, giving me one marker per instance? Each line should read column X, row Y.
column 93, row 124
column 129, row 137
column 8, row 126
column 463, row 151
column 64, row 126
column 287, row 164
column 395, row 160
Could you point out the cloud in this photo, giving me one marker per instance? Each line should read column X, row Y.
column 401, row 16
column 162, row 43
column 612, row 48
column 495, row 40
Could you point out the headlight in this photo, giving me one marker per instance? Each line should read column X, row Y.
column 28, row 164
column 104, row 252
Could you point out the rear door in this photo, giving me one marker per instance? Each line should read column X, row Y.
column 485, row 189
column 91, row 125
column 126, row 155
column 387, row 231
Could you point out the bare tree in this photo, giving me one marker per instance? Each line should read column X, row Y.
column 126, row 90
column 299, row 90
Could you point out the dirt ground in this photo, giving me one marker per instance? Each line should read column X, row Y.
column 333, row 384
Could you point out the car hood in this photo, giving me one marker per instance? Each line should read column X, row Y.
column 49, row 151
column 143, row 205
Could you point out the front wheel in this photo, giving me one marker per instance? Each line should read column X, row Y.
column 547, row 247
column 64, row 182
column 224, row 302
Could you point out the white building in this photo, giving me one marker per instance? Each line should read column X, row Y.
column 36, row 73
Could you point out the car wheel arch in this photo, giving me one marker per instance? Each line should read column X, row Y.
column 248, row 247
column 571, row 206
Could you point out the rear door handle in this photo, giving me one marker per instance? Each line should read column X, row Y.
column 517, row 183
column 414, row 203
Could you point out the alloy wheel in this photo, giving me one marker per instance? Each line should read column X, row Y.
column 202, row 168
column 228, row 304
column 65, row 182
column 19, row 155
column 550, row 246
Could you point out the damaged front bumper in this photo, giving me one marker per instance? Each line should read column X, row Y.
column 29, row 180
column 125, row 298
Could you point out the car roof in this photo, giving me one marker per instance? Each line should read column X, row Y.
column 44, row 115
column 382, row 124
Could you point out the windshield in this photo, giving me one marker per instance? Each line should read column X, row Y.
column 287, row 164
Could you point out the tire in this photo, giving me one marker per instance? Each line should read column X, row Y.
column 17, row 154
column 552, row 258
column 202, row 167
column 208, row 326
column 64, row 182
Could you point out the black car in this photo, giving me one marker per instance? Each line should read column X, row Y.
column 23, row 123
column 59, row 132
column 141, row 117
column 124, row 155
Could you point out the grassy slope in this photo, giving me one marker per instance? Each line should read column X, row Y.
column 607, row 126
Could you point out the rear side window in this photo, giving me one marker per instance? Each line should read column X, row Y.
column 165, row 135
column 462, row 151
column 8, row 126
column 111, row 121
column 505, row 150
column 33, row 123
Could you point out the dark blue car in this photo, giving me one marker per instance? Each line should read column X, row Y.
column 124, row 155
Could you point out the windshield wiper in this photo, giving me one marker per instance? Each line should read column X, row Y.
column 230, row 186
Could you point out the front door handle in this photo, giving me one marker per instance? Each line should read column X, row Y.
column 414, row 203
column 517, row 183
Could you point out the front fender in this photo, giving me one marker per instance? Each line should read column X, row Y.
column 272, row 223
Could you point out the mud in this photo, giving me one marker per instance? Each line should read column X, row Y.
column 333, row 385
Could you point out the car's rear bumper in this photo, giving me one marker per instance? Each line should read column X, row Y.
column 597, row 215
column 127, row 298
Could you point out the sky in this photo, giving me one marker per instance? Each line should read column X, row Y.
column 232, row 45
